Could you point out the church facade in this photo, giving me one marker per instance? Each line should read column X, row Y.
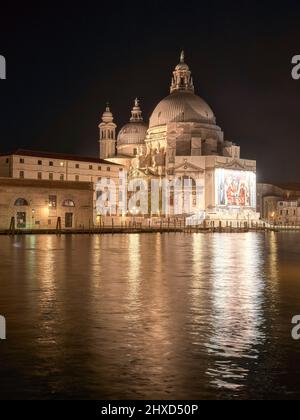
column 182, row 144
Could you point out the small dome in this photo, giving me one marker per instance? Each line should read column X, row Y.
column 133, row 133
column 107, row 115
column 182, row 106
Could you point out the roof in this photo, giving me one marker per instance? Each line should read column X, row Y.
column 289, row 186
column 61, row 156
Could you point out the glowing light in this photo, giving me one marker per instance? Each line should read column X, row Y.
column 235, row 188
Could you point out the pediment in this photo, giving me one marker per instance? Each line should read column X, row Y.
column 188, row 167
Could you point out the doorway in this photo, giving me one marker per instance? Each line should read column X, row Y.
column 68, row 220
column 21, row 220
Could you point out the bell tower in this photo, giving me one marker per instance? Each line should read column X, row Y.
column 107, row 135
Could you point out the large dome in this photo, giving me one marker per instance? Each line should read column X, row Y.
column 133, row 133
column 182, row 106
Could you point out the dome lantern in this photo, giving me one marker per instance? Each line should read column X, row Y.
column 182, row 79
column 136, row 112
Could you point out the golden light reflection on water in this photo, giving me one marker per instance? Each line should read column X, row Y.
column 134, row 267
column 149, row 316
column 237, row 312
column 96, row 263
column 273, row 267
column 46, row 282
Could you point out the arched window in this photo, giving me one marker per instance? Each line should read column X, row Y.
column 21, row 202
column 68, row 203
column 188, row 183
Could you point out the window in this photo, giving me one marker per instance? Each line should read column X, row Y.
column 62, row 177
column 99, row 179
column 52, row 201
column 50, row 163
column 49, row 221
column 7, row 160
column 91, row 167
column 77, row 166
column 22, row 174
column 135, row 152
column 99, row 168
column 21, row 160
column 62, row 164
column 51, row 177
column 77, row 178
column 108, row 169
column 21, row 202
column 40, row 175
column 40, row 162
column 68, row 203
column 121, row 169
column 120, row 196
column 108, row 181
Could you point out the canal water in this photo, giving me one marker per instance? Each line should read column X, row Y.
column 150, row 316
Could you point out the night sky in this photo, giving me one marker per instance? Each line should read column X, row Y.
column 65, row 62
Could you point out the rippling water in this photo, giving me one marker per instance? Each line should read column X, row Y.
column 150, row 316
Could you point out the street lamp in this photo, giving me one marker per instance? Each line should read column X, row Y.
column 32, row 217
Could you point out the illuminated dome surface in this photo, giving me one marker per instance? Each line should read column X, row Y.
column 182, row 106
column 133, row 133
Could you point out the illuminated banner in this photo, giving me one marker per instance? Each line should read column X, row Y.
column 235, row 188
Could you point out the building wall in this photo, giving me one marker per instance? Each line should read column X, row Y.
column 5, row 165
column 268, row 198
column 41, row 196
column 56, row 169
column 61, row 170
column 288, row 213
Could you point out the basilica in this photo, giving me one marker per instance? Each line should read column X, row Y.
column 183, row 141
